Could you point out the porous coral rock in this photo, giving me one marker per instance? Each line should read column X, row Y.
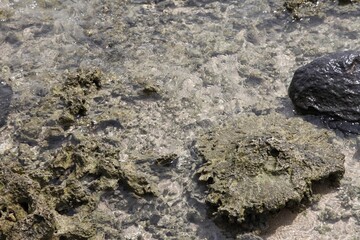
column 261, row 164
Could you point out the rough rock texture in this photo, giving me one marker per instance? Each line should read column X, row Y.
column 56, row 193
column 301, row 8
column 5, row 100
column 317, row 10
column 76, row 88
column 265, row 163
column 329, row 85
column 58, row 200
column 171, row 69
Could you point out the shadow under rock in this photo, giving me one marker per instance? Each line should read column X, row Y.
column 5, row 100
column 342, row 128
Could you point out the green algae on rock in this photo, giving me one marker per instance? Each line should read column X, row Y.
column 262, row 164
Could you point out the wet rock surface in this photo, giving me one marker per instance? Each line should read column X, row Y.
column 329, row 85
column 5, row 100
column 261, row 164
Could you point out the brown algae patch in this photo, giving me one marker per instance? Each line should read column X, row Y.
column 261, row 164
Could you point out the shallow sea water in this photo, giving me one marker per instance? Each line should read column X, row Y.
column 210, row 61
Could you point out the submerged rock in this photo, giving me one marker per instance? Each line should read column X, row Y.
column 315, row 11
column 262, row 164
column 329, row 85
column 56, row 192
column 301, row 8
column 60, row 199
column 76, row 92
column 5, row 100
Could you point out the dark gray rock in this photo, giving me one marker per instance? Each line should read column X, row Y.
column 5, row 100
column 329, row 85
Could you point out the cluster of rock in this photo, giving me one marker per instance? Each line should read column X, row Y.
column 54, row 193
column 254, row 166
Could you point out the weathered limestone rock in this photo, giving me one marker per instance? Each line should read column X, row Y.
column 329, row 85
column 264, row 163
column 5, row 100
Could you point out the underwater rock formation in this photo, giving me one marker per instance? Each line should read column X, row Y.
column 315, row 9
column 329, row 85
column 76, row 89
column 5, row 100
column 59, row 199
column 261, row 164
column 301, row 8
column 55, row 193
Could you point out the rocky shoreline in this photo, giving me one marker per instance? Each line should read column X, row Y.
column 256, row 166
column 170, row 120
